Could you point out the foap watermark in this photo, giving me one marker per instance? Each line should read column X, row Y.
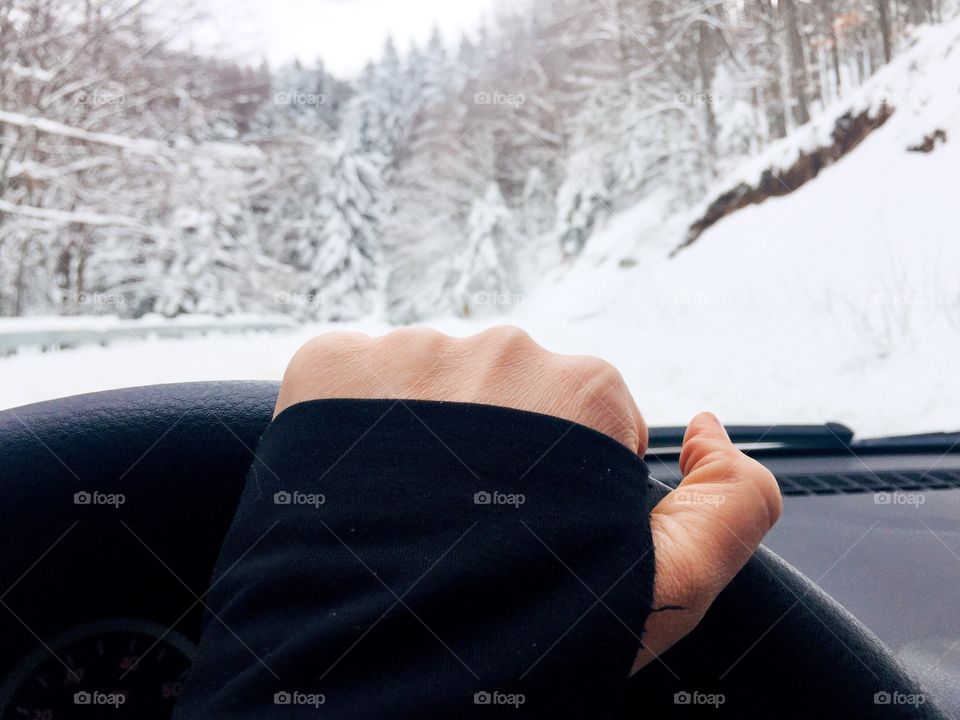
column 904, row 100
column 899, row 498
column 898, row 698
column 296, row 299
column 903, row 298
column 296, row 497
column 513, row 100
column 100, row 699
column 99, row 98
column 498, row 298
column 495, row 697
column 84, row 497
column 484, row 497
column 685, row 697
column 704, row 299
column 695, row 497
column 699, row 99
column 299, row 98
column 294, row 697
column 92, row 299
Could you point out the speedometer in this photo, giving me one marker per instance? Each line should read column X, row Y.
column 133, row 668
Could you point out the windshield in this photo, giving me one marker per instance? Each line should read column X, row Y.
column 746, row 207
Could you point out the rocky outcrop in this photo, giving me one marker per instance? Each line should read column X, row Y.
column 848, row 132
column 929, row 142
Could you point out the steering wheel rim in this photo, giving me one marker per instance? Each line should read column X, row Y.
column 825, row 662
column 777, row 643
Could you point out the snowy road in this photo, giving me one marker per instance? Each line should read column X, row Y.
column 740, row 370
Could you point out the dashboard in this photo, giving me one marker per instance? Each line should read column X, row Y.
column 879, row 532
column 133, row 668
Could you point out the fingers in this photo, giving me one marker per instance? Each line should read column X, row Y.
column 705, row 530
column 735, row 495
column 721, row 510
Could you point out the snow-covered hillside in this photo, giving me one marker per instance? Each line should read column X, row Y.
column 839, row 301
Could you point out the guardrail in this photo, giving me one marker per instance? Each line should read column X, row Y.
column 49, row 332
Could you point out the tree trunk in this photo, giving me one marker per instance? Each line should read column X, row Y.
column 20, row 291
column 706, row 63
column 883, row 8
column 789, row 14
column 835, row 57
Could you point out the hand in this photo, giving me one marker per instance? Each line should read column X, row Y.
column 501, row 366
column 703, row 532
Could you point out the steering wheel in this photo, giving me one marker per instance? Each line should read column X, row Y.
column 773, row 644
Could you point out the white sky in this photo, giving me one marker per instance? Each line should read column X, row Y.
column 344, row 33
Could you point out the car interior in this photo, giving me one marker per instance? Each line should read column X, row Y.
column 740, row 215
column 854, row 593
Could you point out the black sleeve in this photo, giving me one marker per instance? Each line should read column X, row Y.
column 400, row 559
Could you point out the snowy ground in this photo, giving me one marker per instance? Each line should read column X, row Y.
column 838, row 302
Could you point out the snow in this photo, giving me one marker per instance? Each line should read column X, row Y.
column 838, row 302
column 145, row 324
column 905, row 85
column 62, row 217
column 22, row 71
column 140, row 146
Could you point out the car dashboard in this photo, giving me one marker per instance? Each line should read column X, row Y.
column 878, row 530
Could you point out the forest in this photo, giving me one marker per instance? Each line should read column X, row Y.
column 137, row 177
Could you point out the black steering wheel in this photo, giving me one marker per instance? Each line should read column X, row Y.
column 772, row 645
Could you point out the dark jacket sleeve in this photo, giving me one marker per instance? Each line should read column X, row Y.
column 401, row 559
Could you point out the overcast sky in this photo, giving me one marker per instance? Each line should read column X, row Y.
column 345, row 33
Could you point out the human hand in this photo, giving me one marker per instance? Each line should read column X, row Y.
column 703, row 532
column 501, row 366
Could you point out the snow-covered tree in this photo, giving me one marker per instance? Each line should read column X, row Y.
column 583, row 199
column 538, row 204
column 24, row 271
column 307, row 100
column 340, row 262
column 376, row 116
column 206, row 256
column 482, row 273
column 179, row 183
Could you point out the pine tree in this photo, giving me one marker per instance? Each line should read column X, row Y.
column 429, row 190
column 340, row 267
column 375, row 118
column 539, row 207
column 190, row 184
column 208, row 259
column 483, row 272
column 582, row 201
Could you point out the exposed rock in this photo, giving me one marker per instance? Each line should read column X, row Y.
column 930, row 142
column 848, row 132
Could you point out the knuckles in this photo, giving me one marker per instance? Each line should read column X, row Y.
column 411, row 340
column 504, row 344
column 327, row 349
column 502, row 366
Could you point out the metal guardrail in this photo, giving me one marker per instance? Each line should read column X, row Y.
column 16, row 333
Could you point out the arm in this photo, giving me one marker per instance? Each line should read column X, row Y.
column 367, row 569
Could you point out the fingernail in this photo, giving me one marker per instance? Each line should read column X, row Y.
column 716, row 421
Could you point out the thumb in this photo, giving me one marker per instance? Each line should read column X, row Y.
column 729, row 498
column 705, row 530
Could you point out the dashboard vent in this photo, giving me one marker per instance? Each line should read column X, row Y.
column 868, row 482
column 863, row 482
